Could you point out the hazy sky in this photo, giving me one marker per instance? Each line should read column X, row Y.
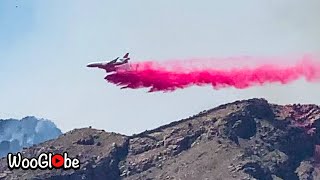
column 45, row 45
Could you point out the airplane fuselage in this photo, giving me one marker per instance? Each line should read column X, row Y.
column 106, row 66
column 112, row 65
column 95, row 65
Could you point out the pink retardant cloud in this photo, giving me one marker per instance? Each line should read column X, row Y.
column 173, row 75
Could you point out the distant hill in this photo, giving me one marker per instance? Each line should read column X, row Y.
column 249, row 139
column 17, row 134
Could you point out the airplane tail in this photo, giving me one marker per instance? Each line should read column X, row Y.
column 126, row 55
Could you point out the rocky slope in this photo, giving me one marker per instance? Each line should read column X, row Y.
column 16, row 134
column 249, row 139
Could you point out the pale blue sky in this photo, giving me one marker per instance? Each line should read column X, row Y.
column 44, row 47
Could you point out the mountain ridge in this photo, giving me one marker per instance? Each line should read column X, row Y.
column 247, row 139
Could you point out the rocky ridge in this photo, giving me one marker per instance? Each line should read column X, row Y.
column 249, row 139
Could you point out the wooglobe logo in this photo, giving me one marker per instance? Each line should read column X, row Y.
column 43, row 161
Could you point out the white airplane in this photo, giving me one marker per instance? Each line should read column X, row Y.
column 111, row 65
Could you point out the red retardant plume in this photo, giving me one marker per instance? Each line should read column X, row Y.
column 173, row 75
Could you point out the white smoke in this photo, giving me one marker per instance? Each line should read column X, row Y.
column 16, row 134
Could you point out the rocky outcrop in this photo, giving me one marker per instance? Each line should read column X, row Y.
column 248, row 139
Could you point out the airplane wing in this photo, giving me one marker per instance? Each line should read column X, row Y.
column 113, row 61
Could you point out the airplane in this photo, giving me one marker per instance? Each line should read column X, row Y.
column 112, row 65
